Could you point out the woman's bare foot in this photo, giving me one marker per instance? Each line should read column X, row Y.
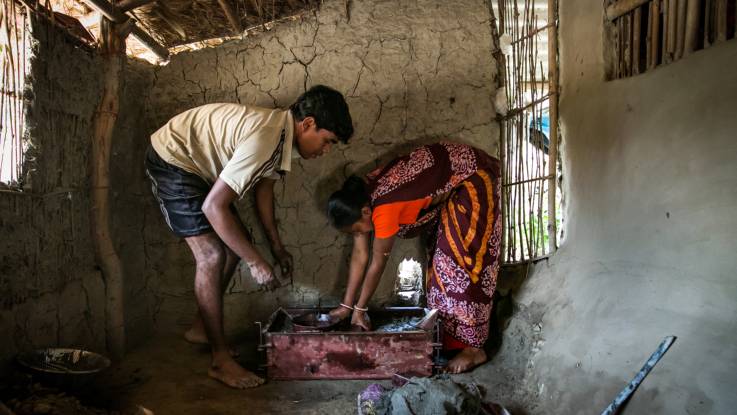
column 340, row 313
column 467, row 359
column 228, row 371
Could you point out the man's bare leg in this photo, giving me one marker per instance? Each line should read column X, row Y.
column 210, row 256
column 196, row 334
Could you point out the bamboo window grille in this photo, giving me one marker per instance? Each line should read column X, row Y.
column 14, row 42
column 529, row 128
column 644, row 34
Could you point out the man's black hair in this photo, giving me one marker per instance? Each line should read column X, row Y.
column 344, row 206
column 329, row 109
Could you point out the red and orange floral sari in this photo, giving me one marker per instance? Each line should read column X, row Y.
column 463, row 230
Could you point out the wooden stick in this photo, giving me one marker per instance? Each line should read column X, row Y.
column 655, row 41
column 707, row 23
column 672, row 27
column 666, row 24
column 680, row 28
column 648, row 39
column 627, row 44
column 232, row 19
column 622, row 7
column 636, row 34
column 692, row 27
column 721, row 20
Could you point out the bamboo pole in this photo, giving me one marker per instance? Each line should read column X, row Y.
column 721, row 20
column 230, row 14
column 655, row 41
column 692, row 27
column 681, row 29
column 636, row 40
column 553, row 148
column 627, row 44
column 666, row 24
column 112, row 49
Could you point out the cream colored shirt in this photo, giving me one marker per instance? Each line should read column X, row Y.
column 240, row 144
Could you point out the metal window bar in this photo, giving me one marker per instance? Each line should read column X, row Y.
column 528, row 33
column 14, row 39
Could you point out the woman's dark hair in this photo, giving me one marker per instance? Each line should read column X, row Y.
column 329, row 109
column 344, row 206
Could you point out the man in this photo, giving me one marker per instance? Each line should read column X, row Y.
column 205, row 158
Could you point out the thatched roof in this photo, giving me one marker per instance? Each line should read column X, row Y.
column 174, row 23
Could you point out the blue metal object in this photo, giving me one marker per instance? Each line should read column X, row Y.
column 632, row 386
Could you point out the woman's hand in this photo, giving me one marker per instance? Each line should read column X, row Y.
column 361, row 319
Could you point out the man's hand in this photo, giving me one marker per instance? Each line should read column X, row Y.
column 262, row 272
column 285, row 261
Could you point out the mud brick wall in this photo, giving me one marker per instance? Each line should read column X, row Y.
column 412, row 72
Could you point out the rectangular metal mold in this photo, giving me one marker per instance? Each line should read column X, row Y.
column 343, row 354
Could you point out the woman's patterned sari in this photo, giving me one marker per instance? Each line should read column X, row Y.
column 465, row 229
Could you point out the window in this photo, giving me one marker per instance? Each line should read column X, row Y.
column 527, row 108
column 644, row 34
column 14, row 39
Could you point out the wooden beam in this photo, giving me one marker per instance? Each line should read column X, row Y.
column 113, row 14
column 230, row 14
column 128, row 5
column 112, row 49
column 622, row 7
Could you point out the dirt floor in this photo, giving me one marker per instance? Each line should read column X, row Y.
column 169, row 376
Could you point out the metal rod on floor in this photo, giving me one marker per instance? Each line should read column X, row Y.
column 632, row 386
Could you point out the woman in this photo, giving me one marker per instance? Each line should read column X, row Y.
column 449, row 192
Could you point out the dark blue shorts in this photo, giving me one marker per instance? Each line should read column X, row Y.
column 180, row 194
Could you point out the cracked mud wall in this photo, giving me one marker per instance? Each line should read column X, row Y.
column 650, row 169
column 412, row 72
column 51, row 291
column 52, row 294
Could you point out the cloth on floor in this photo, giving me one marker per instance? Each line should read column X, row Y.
column 437, row 395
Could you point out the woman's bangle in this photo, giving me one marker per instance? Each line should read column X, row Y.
column 357, row 308
column 346, row 306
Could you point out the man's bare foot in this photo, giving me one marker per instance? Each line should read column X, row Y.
column 467, row 359
column 228, row 371
column 196, row 335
